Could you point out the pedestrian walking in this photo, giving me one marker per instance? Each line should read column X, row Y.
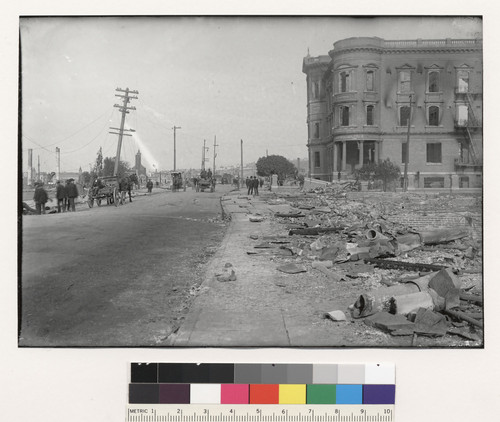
column 250, row 186
column 261, row 182
column 255, row 186
column 40, row 197
column 60, row 196
column 149, row 185
column 72, row 192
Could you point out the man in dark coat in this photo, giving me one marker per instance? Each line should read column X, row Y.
column 72, row 192
column 40, row 197
column 250, row 186
column 60, row 195
column 255, row 186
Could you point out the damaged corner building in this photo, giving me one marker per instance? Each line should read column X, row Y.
column 368, row 95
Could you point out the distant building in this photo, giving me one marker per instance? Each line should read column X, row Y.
column 139, row 169
column 358, row 106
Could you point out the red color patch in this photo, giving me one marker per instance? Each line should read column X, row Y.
column 264, row 393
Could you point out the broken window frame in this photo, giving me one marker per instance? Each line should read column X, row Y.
column 317, row 159
column 370, row 80
column 316, row 130
column 465, row 85
column 404, row 81
column 345, row 77
column 370, row 112
column 403, row 118
column 460, row 120
column 344, row 115
column 433, row 82
column 434, row 154
column 433, row 115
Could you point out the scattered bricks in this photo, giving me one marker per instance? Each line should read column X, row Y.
column 388, row 322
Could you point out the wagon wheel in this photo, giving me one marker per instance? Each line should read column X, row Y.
column 98, row 201
column 115, row 197
column 90, row 202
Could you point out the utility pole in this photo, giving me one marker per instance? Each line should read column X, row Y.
column 407, row 155
column 175, row 128
column 215, row 154
column 203, row 155
column 58, row 163
column 124, row 110
column 241, row 166
column 38, row 174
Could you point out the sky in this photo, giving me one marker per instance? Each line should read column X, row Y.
column 217, row 78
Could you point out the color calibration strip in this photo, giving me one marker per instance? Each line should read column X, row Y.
column 190, row 383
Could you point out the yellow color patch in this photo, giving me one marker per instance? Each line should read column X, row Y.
column 292, row 394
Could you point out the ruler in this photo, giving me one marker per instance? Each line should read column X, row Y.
column 259, row 413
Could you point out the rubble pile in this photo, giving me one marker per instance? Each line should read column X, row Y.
column 412, row 282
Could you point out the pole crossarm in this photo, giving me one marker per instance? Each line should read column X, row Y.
column 121, row 131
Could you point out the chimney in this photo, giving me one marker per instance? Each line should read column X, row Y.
column 30, row 167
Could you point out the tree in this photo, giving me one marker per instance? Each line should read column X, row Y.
column 98, row 163
column 109, row 167
column 386, row 171
column 275, row 164
column 86, row 176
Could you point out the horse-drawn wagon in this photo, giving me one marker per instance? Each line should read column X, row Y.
column 105, row 189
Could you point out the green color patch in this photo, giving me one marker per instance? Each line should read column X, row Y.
column 321, row 394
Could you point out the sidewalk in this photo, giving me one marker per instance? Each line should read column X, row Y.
column 262, row 307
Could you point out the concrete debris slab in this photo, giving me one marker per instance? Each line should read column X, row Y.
column 336, row 316
column 430, row 323
column 291, row 269
column 404, row 304
column 388, row 322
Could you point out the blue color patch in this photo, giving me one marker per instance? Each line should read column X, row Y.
column 349, row 394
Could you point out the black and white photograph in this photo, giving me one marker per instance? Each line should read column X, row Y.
column 250, row 181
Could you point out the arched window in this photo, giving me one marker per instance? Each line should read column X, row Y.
column 433, row 81
column 369, row 80
column 404, row 115
column 369, row 115
column 433, row 116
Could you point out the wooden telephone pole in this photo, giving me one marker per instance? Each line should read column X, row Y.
column 175, row 129
column 124, row 110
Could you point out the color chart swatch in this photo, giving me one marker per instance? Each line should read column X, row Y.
column 221, row 383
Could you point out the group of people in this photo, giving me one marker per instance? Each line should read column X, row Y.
column 253, row 184
column 65, row 195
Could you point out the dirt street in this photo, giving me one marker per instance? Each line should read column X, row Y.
column 116, row 276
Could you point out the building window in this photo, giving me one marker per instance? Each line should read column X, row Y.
column 433, row 182
column 344, row 116
column 434, row 153
column 316, row 159
column 434, row 116
column 405, row 81
column 404, row 115
column 316, row 130
column 369, row 115
column 463, row 81
column 403, row 153
column 345, row 82
column 316, row 89
column 433, row 81
column 369, row 80
column 462, row 115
